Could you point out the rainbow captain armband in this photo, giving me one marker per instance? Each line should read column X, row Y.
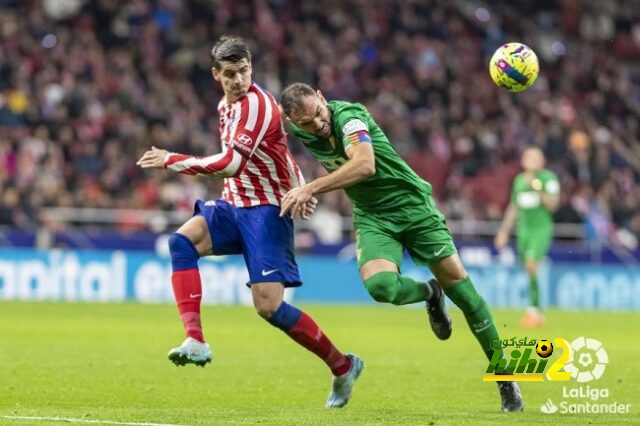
column 359, row 137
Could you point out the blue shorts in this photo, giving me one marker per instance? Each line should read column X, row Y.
column 258, row 233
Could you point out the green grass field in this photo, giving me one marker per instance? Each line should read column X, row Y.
column 108, row 363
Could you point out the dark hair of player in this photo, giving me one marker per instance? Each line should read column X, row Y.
column 291, row 98
column 231, row 49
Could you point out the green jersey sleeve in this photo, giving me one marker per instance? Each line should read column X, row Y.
column 550, row 183
column 352, row 125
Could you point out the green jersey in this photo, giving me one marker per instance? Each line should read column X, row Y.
column 393, row 185
column 532, row 215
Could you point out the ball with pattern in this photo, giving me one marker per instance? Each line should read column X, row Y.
column 544, row 348
column 514, row 66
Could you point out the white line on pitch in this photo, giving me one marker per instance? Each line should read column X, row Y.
column 68, row 420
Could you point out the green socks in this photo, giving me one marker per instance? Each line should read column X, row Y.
column 476, row 311
column 391, row 287
column 533, row 291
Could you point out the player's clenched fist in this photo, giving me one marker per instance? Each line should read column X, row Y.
column 153, row 158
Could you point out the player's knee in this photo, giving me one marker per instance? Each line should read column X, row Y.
column 184, row 254
column 531, row 266
column 266, row 306
column 382, row 286
column 265, row 311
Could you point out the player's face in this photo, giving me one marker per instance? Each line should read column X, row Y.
column 532, row 160
column 235, row 78
column 314, row 116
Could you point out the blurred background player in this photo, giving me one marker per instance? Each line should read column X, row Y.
column 393, row 211
column 534, row 197
column 258, row 169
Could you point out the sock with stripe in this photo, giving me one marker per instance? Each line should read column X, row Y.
column 306, row 332
column 187, row 287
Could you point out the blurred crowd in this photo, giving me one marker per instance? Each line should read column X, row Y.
column 87, row 86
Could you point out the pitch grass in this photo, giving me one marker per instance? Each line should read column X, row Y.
column 108, row 362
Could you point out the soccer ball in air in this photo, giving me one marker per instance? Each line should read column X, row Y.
column 544, row 348
column 514, row 66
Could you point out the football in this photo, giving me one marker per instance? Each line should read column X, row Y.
column 544, row 348
column 514, row 66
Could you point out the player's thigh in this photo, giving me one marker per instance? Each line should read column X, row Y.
column 268, row 247
column 427, row 237
column 533, row 247
column 220, row 234
column 197, row 231
column 378, row 248
column 374, row 266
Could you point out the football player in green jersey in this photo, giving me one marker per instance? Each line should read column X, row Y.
column 534, row 197
column 393, row 211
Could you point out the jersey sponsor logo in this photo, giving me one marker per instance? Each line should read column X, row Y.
column 353, row 126
column 333, row 164
column 269, row 272
column 244, row 139
column 243, row 149
column 528, row 200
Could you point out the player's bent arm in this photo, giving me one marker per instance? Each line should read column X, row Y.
column 360, row 166
column 227, row 163
column 550, row 201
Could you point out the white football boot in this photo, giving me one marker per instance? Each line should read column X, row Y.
column 191, row 352
column 343, row 385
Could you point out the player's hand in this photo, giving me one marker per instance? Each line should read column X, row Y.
column 153, row 158
column 501, row 240
column 309, row 208
column 295, row 200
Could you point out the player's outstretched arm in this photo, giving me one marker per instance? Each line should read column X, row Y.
column 153, row 158
column 360, row 166
column 224, row 164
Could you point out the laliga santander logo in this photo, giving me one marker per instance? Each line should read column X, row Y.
column 588, row 361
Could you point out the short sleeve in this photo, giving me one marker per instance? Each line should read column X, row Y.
column 352, row 122
column 552, row 186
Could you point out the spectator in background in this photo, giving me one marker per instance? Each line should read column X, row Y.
column 104, row 78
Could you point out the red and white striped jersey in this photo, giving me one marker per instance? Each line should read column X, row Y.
column 255, row 160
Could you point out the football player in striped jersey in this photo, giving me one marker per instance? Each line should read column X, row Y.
column 258, row 169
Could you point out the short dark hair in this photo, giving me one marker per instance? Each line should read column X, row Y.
column 229, row 48
column 291, row 98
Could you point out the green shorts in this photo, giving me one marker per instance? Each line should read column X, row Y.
column 421, row 230
column 533, row 245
